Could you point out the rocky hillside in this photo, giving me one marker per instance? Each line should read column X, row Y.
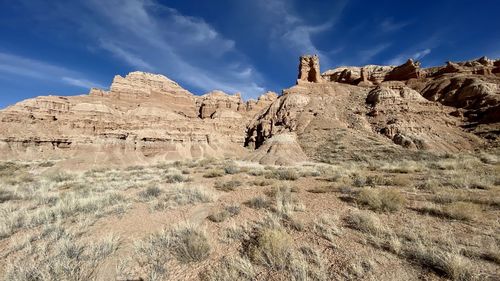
column 347, row 112
column 142, row 117
column 354, row 112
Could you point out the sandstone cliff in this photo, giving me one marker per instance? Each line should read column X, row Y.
column 347, row 112
column 142, row 117
column 355, row 112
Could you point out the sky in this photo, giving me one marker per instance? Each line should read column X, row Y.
column 65, row 47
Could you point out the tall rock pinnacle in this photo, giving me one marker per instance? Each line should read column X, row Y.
column 309, row 69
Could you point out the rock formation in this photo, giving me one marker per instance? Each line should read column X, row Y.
column 309, row 69
column 347, row 112
column 142, row 117
column 391, row 105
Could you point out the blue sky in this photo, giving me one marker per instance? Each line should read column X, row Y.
column 66, row 47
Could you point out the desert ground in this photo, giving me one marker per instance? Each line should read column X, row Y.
column 434, row 217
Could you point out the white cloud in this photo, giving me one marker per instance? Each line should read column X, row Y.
column 403, row 57
column 152, row 37
column 288, row 31
column 82, row 83
column 421, row 54
column 388, row 25
column 128, row 57
column 368, row 54
column 36, row 69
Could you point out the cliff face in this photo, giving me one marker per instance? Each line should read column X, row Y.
column 142, row 117
column 355, row 112
column 347, row 112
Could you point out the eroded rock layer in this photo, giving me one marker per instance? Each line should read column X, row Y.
column 347, row 112
column 143, row 116
column 361, row 112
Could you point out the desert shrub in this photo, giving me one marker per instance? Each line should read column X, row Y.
column 286, row 202
column 262, row 182
column 190, row 243
column 256, row 172
column 235, row 233
column 272, row 249
column 150, row 192
column 445, row 262
column 206, row 162
column 283, row 174
column 234, row 210
column 457, row 210
column 365, row 222
column 322, row 189
column 46, row 164
column 376, row 180
column 326, row 227
column 228, row 185
column 462, row 211
column 400, row 180
column 231, row 169
column 381, row 200
column 7, row 195
column 176, row 178
column 64, row 259
column 258, row 202
column 60, row 176
column 230, row 269
column 215, row 173
column 310, row 173
column 281, row 188
column 219, row 216
column 135, row 168
column 180, row 195
column 358, row 180
column 228, row 212
column 428, row 185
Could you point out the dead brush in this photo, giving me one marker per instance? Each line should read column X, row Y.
column 381, row 199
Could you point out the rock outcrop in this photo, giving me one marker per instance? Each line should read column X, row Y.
column 143, row 117
column 392, row 107
column 309, row 69
column 344, row 113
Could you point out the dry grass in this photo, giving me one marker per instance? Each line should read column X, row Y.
column 445, row 262
column 327, row 227
column 366, row 222
column 229, row 211
column 215, row 173
column 381, row 199
column 61, row 257
column 275, row 242
column 272, row 249
column 258, row 202
column 181, row 194
column 457, row 210
column 230, row 269
column 228, row 185
column 283, row 174
column 190, row 243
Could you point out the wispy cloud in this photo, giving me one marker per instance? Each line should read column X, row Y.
column 421, row 54
column 150, row 36
column 36, row 69
column 365, row 56
column 401, row 58
column 289, row 31
column 389, row 25
column 127, row 56
column 82, row 83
